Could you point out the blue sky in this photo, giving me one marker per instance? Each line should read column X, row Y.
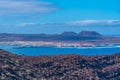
column 56, row 16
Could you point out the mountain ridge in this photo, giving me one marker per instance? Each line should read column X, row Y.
column 65, row 36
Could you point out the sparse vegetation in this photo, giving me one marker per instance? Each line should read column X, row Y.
column 62, row 67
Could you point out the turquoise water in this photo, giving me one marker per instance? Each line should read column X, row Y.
column 36, row 51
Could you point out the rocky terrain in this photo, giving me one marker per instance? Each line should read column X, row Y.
column 60, row 67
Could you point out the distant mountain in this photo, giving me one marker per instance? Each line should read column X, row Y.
column 65, row 36
column 90, row 33
column 61, row 67
column 83, row 33
column 69, row 34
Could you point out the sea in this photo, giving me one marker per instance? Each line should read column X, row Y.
column 50, row 51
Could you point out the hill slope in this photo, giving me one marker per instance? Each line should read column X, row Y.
column 62, row 67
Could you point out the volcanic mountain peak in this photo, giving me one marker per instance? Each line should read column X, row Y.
column 82, row 33
column 89, row 33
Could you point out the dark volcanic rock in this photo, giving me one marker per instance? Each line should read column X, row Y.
column 62, row 67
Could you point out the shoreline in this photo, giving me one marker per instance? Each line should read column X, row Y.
column 60, row 44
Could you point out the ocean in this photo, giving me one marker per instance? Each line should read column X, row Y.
column 38, row 51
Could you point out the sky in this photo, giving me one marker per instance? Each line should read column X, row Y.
column 57, row 16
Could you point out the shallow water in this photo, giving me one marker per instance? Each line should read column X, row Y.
column 36, row 51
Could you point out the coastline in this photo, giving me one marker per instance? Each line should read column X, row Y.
column 59, row 44
column 31, row 50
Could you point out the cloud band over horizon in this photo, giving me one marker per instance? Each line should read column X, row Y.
column 79, row 23
column 108, row 27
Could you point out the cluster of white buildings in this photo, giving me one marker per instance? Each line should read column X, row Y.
column 47, row 44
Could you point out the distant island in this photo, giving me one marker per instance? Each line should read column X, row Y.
column 61, row 67
column 65, row 39
column 65, row 36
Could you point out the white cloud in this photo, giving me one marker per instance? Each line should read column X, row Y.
column 94, row 22
column 20, row 6
column 25, row 24
column 81, row 23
